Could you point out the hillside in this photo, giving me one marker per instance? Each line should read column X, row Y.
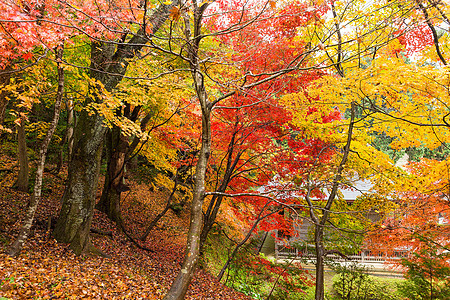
column 48, row 270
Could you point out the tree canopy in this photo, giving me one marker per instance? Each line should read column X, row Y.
column 252, row 115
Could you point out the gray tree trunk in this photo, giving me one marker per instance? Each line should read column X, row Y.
column 16, row 247
column 75, row 217
column 181, row 283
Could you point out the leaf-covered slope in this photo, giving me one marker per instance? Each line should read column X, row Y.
column 48, row 270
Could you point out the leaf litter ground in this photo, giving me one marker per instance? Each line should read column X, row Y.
column 48, row 270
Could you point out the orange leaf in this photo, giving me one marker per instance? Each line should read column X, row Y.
column 174, row 13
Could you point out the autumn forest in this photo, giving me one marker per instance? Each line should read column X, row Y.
column 224, row 149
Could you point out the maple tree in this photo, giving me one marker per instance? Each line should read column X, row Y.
column 249, row 123
column 419, row 225
column 140, row 109
column 356, row 158
column 290, row 96
column 393, row 97
column 202, row 83
column 108, row 64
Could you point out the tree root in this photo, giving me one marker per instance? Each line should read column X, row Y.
column 131, row 239
column 102, row 232
column 91, row 250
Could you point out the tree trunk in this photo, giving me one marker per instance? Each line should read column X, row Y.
column 109, row 62
column 78, row 201
column 214, row 205
column 320, row 253
column 67, row 138
column 320, row 222
column 3, row 104
column 23, row 176
column 117, row 150
column 209, row 218
column 75, row 217
column 36, row 197
column 70, row 124
column 180, row 285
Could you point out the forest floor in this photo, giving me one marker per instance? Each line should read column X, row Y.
column 48, row 270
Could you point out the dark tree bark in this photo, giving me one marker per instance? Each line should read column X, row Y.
column 117, row 149
column 433, row 29
column 320, row 264
column 36, row 197
column 119, row 152
column 109, row 62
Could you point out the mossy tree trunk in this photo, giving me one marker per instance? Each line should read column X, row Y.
column 75, row 217
column 109, row 62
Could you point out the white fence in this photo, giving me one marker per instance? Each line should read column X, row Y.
column 365, row 256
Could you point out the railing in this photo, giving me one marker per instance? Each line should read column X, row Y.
column 366, row 256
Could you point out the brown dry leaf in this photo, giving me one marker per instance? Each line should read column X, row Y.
column 175, row 13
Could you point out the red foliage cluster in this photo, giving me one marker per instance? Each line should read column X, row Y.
column 30, row 25
column 252, row 127
column 416, row 39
